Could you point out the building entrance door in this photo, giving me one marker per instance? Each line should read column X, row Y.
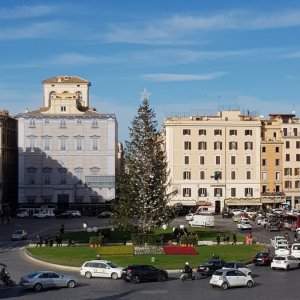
column 218, row 206
column 62, row 202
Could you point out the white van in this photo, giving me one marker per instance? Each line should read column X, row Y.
column 203, row 221
column 206, row 209
column 295, row 250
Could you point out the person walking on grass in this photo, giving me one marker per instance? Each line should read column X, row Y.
column 234, row 239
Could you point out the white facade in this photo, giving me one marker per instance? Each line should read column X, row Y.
column 201, row 148
column 67, row 151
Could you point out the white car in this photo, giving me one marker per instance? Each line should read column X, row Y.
column 282, row 250
column 236, row 212
column 101, row 268
column 189, row 217
column 22, row 214
column 74, row 213
column 44, row 214
column 295, row 250
column 285, row 262
column 226, row 278
column 275, row 239
column 237, row 266
column 243, row 225
column 19, row 234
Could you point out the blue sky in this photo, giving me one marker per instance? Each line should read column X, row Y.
column 193, row 56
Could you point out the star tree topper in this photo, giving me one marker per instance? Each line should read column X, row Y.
column 145, row 94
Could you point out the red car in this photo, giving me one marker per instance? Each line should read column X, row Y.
column 262, row 259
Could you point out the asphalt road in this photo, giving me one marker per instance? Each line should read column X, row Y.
column 268, row 284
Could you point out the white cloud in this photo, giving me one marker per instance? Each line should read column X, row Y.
column 182, row 77
column 35, row 30
column 190, row 29
column 25, row 11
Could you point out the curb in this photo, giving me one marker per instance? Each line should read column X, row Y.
column 27, row 256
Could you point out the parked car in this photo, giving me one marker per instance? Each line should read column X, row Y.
column 262, row 259
column 295, row 250
column 251, row 214
column 236, row 211
column 44, row 214
column 140, row 273
column 74, row 213
column 273, row 226
column 226, row 278
column 189, row 217
column 244, row 224
column 47, row 279
column 285, row 262
column 282, row 250
column 101, row 268
column 19, row 234
column 104, row 214
column 227, row 214
column 22, row 214
column 258, row 220
column 237, row 266
column 64, row 215
column 208, row 268
column 275, row 239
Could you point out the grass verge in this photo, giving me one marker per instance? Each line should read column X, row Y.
column 121, row 255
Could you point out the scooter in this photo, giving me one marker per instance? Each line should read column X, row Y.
column 186, row 276
column 6, row 279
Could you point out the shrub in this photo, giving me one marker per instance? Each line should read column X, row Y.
column 141, row 239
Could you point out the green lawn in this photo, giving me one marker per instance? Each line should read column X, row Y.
column 75, row 256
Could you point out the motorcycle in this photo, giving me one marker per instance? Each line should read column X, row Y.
column 5, row 278
column 186, row 276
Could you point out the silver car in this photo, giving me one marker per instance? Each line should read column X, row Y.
column 19, row 234
column 47, row 279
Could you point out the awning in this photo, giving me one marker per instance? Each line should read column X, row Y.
column 243, row 202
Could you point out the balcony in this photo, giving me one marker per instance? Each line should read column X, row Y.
column 273, row 194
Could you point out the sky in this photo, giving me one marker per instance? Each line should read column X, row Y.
column 194, row 57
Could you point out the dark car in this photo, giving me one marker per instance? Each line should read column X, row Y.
column 64, row 215
column 140, row 273
column 262, row 259
column 273, row 226
column 227, row 214
column 210, row 266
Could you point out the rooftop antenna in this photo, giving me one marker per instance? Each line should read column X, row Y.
column 293, row 111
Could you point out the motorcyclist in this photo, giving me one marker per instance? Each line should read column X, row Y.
column 188, row 270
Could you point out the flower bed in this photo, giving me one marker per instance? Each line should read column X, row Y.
column 175, row 250
column 147, row 250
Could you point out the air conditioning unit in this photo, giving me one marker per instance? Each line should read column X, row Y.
column 202, row 195
column 248, row 195
column 218, row 195
column 186, row 195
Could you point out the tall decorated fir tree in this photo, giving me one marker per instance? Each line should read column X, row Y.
column 144, row 193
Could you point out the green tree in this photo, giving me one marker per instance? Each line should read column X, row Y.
column 146, row 175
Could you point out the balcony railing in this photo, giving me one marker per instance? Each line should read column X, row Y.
column 273, row 194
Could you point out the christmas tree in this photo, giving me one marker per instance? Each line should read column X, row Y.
column 141, row 191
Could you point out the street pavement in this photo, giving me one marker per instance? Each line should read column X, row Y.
column 269, row 284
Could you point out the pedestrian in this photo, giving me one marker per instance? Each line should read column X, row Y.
column 227, row 238
column 37, row 240
column 62, row 229
column 124, row 240
column 41, row 241
column 162, row 240
column 178, row 238
column 234, row 239
column 57, row 240
column 296, row 236
column 97, row 257
column 46, row 241
column 224, row 239
column 218, row 239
